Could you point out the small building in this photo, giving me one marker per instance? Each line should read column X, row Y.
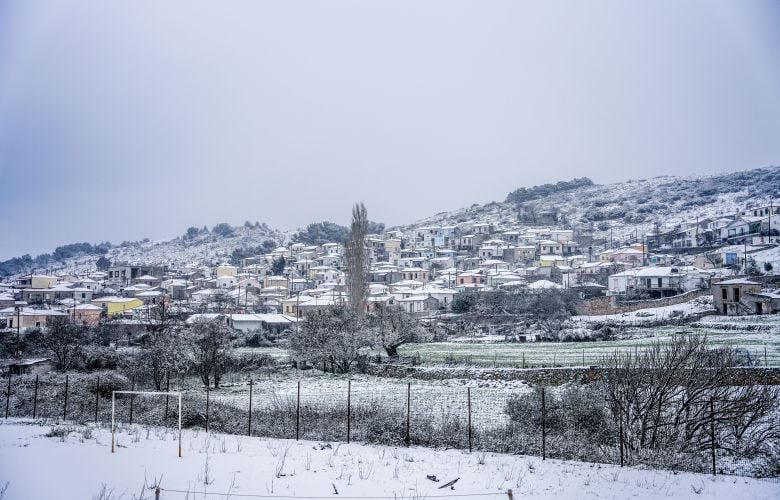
column 34, row 366
column 273, row 323
column 86, row 314
column 729, row 296
column 740, row 296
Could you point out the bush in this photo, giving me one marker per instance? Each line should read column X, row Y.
column 99, row 358
column 572, row 409
column 111, row 381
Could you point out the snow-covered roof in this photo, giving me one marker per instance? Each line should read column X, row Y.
column 543, row 284
column 738, row 281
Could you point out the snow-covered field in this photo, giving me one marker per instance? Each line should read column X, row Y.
column 757, row 337
column 42, row 462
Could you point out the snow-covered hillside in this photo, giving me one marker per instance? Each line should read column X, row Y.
column 202, row 248
column 75, row 462
column 626, row 207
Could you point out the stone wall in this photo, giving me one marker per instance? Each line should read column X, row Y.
column 611, row 305
column 543, row 376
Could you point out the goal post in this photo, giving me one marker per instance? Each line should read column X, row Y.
column 142, row 393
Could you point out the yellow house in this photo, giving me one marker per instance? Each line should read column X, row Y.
column 551, row 261
column 118, row 305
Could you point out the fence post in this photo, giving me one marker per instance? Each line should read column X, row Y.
column 167, row 389
column 523, row 360
column 349, row 406
column 113, row 420
column 712, row 433
column 249, row 432
column 468, row 402
column 65, row 406
column 408, row 412
column 8, row 393
column 766, row 363
column 544, row 430
column 35, row 398
column 207, row 407
column 621, row 441
column 298, row 413
column 583, row 357
column 97, row 398
column 132, row 398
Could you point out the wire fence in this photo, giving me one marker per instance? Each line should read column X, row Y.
column 515, row 421
column 551, row 355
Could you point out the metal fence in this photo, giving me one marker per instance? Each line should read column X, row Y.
column 411, row 414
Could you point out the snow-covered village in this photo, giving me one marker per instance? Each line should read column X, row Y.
column 251, row 250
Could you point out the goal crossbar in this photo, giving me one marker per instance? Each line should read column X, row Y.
column 176, row 394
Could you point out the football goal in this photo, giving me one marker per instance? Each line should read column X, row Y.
column 140, row 393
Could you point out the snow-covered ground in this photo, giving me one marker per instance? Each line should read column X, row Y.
column 41, row 462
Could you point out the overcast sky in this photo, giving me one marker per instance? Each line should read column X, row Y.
column 128, row 119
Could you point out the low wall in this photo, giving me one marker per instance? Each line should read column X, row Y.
column 611, row 305
column 545, row 376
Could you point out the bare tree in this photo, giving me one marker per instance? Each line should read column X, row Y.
column 667, row 396
column 394, row 327
column 357, row 260
column 334, row 335
column 164, row 353
column 210, row 346
column 64, row 339
column 550, row 308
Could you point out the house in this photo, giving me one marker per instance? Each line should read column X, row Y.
column 25, row 318
column 419, row 303
column 630, row 257
column 86, row 314
column 729, row 297
column 741, row 228
column 550, row 247
column 470, row 278
column 226, row 281
column 148, row 280
column 126, row 273
column 414, row 273
column 150, row 297
column 761, row 211
column 273, row 323
column 658, row 281
column 275, row 281
column 482, row 228
column 114, row 306
column 36, row 281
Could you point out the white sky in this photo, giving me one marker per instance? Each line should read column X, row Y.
column 130, row 119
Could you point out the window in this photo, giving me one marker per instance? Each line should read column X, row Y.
column 660, row 282
column 736, row 295
column 37, row 324
column 724, row 293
